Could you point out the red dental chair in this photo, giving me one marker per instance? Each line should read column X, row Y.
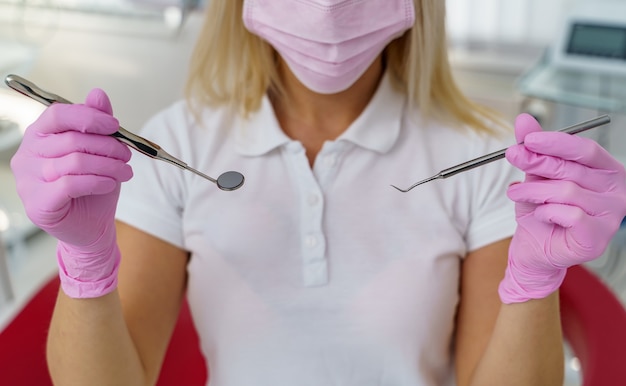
column 594, row 324
column 23, row 354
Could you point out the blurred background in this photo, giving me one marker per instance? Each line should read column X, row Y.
column 561, row 60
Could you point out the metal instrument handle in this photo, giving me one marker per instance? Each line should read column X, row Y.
column 29, row 89
column 228, row 181
column 496, row 155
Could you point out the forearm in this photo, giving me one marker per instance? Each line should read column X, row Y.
column 526, row 347
column 89, row 344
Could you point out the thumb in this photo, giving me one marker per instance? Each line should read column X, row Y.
column 99, row 100
column 525, row 124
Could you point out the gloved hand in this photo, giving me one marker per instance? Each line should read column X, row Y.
column 68, row 172
column 567, row 209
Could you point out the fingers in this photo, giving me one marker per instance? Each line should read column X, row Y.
column 47, row 203
column 562, row 156
column 61, row 144
column 75, row 186
column 51, row 183
column 572, row 148
column 557, row 168
column 567, row 193
column 562, row 145
column 61, row 117
column 63, row 129
column 82, row 164
column 588, row 235
column 524, row 125
column 99, row 100
column 585, row 220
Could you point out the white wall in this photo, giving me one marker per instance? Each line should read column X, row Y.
column 534, row 22
column 139, row 63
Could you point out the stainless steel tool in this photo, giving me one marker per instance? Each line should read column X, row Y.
column 496, row 155
column 226, row 181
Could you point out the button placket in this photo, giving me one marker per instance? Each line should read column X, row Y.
column 313, row 199
column 313, row 243
column 328, row 159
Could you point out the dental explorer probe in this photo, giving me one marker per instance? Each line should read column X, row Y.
column 226, row 181
column 496, row 155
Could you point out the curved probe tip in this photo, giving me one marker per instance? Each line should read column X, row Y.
column 401, row 190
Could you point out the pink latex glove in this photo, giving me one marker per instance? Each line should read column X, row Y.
column 567, row 209
column 68, row 172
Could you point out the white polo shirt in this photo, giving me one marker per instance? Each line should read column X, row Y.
column 324, row 275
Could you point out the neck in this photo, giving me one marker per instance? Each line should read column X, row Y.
column 314, row 118
column 323, row 112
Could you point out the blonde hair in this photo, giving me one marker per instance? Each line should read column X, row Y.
column 231, row 66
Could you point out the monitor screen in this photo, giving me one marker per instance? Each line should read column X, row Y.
column 598, row 41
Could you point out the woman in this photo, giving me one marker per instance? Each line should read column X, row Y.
column 317, row 272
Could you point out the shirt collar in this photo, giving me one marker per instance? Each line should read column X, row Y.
column 376, row 129
column 260, row 133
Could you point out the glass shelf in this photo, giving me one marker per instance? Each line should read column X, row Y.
column 128, row 8
column 23, row 18
column 587, row 89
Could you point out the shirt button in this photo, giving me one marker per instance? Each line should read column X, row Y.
column 330, row 160
column 310, row 241
column 313, row 199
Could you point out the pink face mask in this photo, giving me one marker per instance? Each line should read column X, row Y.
column 328, row 44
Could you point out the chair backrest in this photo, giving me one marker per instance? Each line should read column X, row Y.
column 23, row 341
column 184, row 363
column 594, row 324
